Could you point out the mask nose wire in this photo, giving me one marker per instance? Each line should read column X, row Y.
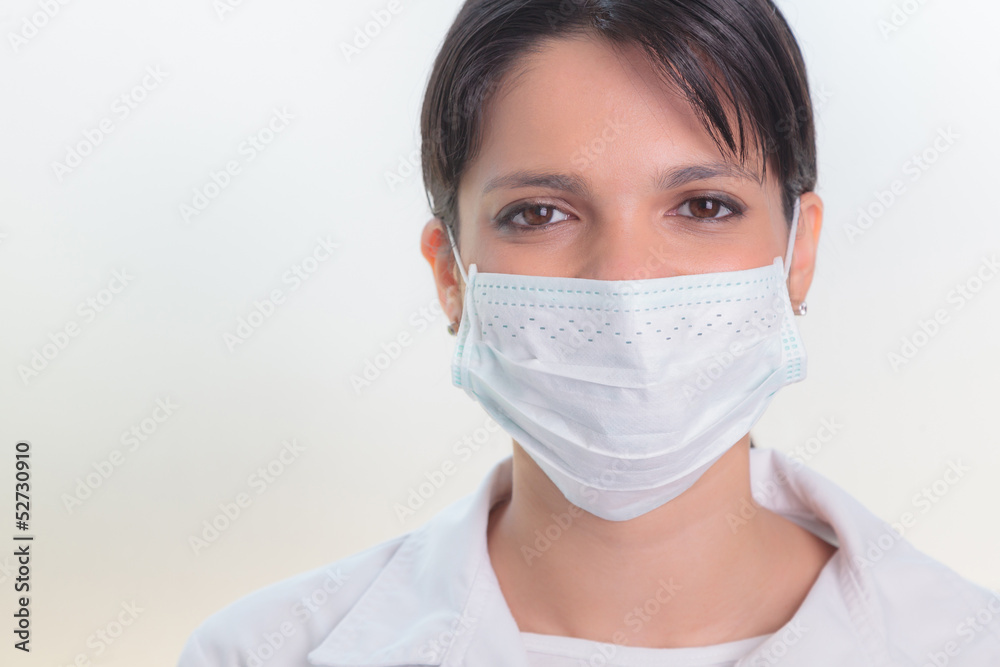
column 791, row 237
column 454, row 250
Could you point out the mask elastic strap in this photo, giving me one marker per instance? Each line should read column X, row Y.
column 791, row 238
column 454, row 250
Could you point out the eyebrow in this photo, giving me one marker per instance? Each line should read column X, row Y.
column 667, row 179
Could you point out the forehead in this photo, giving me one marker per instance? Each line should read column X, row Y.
column 579, row 105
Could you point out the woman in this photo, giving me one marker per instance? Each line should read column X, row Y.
column 625, row 228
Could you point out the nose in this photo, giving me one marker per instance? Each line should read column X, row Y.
column 624, row 248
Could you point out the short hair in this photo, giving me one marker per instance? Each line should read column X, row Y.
column 733, row 60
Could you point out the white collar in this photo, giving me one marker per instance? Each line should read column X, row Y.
column 437, row 600
column 408, row 616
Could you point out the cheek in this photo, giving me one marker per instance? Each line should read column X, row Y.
column 762, row 253
column 763, row 242
column 749, row 247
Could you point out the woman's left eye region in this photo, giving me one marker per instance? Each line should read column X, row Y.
column 530, row 216
column 705, row 208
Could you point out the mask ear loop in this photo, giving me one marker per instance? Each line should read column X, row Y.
column 791, row 237
column 454, row 250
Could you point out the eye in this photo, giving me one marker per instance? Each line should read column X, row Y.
column 531, row 215
column 707, row 208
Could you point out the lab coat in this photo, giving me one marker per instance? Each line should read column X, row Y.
column 431, row 597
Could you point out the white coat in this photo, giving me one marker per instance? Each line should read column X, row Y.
column 430, row 597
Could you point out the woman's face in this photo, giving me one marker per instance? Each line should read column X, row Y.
column 590, row 168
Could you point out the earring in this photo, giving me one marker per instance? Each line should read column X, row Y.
column 802, row 309
column 453, row 328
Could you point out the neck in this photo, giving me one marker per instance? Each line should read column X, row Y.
column 707, row 567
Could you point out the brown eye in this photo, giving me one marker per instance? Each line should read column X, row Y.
column 537, row 215
column 533, row 216
column 705, row 208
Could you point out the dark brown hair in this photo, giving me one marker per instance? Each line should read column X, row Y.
column 733, row 60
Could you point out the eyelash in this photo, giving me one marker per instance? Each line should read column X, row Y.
column 505, row 220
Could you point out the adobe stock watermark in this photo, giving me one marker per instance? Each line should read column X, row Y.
column 592, row 150
column 547, row 536
column 643, row 614
column 406, row 167
column 273, row 641
column 121, row 108
column 410, row 164
column 928, row 329
column 900, row 15
column 922, row 502
column 915, row 167
column 968, row 629
column 583, row 330
column 551, row 533
column 224, row 7
column 32, row 25
column 767, row 491
column 462, row 452
column 41, row 357
column 791, row 123
column 8, row 568
column 433, row 649
column 248, row 150
column 565, row 10
column 230, row 511
column 296, row 276
column 105, row 636
column 589, row 326
column 804, row 452
column 392, row 350
column 721, row 362
column 635, row 620
column 772, row 651
column 132, row 439
column 365, row 34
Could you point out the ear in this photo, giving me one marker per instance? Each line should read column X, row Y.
column 436, row 249
column 806, row 244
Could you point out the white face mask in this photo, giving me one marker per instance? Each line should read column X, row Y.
column 625, row 392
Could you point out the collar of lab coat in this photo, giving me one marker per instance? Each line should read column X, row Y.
column 438, row 602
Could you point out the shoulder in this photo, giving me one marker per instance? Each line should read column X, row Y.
column 279, row 624
column 926, row 606
column 404, row 592
column 900, row 600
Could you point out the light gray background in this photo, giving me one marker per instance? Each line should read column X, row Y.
column 881, row 99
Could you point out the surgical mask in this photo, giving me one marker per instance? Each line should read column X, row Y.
column 626, row 392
